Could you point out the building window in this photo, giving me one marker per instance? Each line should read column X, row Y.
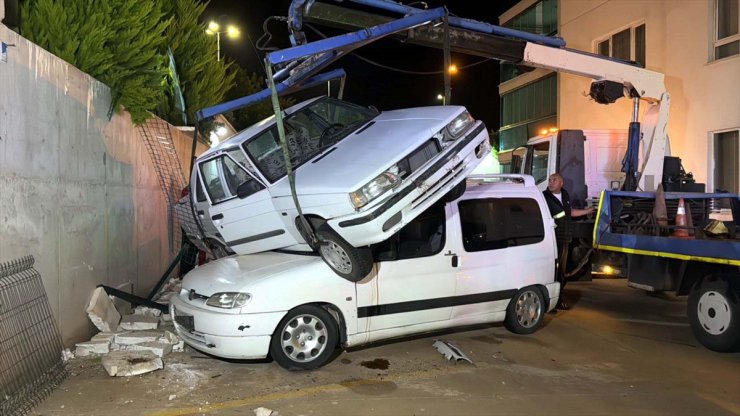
column 540, row 18
column 727, row 161
column 627, row 44
column 527, row 110
column 726, row 36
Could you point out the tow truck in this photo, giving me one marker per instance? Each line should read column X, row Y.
column 706, row 269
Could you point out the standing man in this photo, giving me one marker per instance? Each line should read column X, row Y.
column 558, row 201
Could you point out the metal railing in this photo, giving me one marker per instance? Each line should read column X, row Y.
column 31, row 363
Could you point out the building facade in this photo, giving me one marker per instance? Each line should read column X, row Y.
column 695, row 43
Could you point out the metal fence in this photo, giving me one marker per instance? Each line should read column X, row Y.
column 31, row 363
column 157, row 138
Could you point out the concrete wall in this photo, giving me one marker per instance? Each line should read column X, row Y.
column 79, row 191
column 705, row 95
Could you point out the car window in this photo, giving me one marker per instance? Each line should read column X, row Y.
column 223, row 176
column 200, row 196
column 308, row 131
column 424, row 236
column 495, row 223
column 539, row 161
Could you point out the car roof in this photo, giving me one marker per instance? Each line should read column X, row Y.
column 252, row 130
column 479, row 186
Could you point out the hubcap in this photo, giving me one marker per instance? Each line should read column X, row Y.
column 304, row 338
column 713, row 311
column 337, row 258
column 528, row 309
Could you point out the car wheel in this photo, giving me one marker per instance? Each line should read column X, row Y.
column 526, row 311
column 714, row 313
column 348, row 262
column 455, row 192
column 305, row 339
column 304, row 234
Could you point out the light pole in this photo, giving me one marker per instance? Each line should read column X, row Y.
column 215, row 29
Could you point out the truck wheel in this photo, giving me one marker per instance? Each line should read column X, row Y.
column 526, row 311
column 348, row 262
column 456, row 192
column 714, row 312
column 305, row 339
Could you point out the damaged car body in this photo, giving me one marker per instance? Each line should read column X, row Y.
column 361, row 175
column 450, row 266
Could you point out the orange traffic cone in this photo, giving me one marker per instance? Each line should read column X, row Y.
column 681, row 221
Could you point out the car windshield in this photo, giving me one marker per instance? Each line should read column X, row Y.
column 308, row 132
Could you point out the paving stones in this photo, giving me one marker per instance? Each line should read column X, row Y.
column 131, row 363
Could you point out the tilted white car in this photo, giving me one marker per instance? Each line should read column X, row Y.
column 360, row 176
column 487, row 257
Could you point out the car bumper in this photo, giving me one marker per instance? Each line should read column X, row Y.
column 382, row 221
column 553, row 293
column 226, row 335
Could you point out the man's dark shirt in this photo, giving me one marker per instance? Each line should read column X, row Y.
column 560, row 212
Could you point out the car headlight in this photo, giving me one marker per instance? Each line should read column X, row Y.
column 459, row 125
column 376, row 187
column 228, row 300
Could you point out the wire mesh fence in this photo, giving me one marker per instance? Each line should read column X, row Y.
column 158, row 140
column 31, row 363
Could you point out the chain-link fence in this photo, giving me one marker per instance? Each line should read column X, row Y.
column 157, row 137
column 31, row 363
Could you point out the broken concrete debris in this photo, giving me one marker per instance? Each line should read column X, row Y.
column 450, row 351
column 139, row 322
column 263, row 411
column 83, row 349
column 131, row 363
column 101, row 311
column 132, row 344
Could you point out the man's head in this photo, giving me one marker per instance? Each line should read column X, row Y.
column 555, row 183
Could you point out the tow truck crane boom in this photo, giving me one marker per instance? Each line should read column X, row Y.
column 612, row 78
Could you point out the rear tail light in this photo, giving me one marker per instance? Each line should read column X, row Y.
column 185, row 192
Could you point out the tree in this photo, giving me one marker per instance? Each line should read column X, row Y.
column 119, row 42
column 204, row 81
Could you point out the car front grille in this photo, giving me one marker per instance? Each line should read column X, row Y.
column 418, row 158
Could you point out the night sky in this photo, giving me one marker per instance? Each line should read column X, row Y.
column 475, row 87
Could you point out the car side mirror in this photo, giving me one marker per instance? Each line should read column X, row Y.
column 247, row 188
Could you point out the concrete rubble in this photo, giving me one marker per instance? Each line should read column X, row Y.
column 102, row 312
column 134, row 343
column 131, row 363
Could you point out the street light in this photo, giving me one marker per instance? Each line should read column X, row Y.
column 441, row 97
column 215, row 29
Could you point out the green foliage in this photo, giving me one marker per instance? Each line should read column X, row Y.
column 204, row 80
column 246, row 84
column 119, row 42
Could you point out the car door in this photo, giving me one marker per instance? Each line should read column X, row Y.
column 249, row 223
column 415, row 279
column 502, row 247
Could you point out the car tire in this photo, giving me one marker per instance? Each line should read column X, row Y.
column 305, row 339
column 456, row 192
column 526, row 311
column 349, row 262
column 304, row 234
column 714, row 312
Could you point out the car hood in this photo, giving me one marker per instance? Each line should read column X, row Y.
column 369, row 151
column 236, row 273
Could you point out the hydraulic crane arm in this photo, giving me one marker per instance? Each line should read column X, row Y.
column 612, row 78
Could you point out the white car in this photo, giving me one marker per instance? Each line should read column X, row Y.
column 487, row 257
column 360, row 176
